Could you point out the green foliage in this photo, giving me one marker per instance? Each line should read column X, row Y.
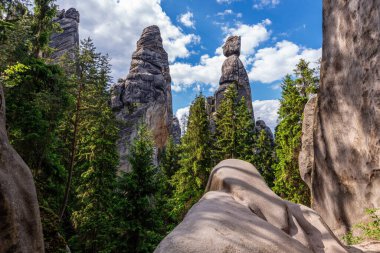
column 295, row 93
column 264, row 157
column 37, row 97
column 54, row 242
column 42, row 26
column 366, row 231
column 95, row 153
column 234, row 127
column 139, row 223
column 195, row 161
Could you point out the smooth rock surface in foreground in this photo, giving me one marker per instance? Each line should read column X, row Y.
column 240, row 213
column 20, row 223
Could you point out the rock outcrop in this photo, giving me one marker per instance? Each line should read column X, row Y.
column 240, row 213
column 345, row 178
column 20, row 223
column 145, row 95
column 306, row 156
column 68, row 40
column 233, row 72
column 176, row 131
column 260, row 125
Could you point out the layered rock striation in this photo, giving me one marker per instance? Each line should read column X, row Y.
column 233, row 72
column 68, row 40
column 145, row 95
column 20, row 223
column 344, row 173
column 240, row 213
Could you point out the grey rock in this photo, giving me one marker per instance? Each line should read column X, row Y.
column 260, row 125
column 240, row 213
column 68, row 40
column 346, row 177
column 233, row 72
column 176, row 131
column 232, row 46
column 306, row 156
column 20, row 222
column 145, row 95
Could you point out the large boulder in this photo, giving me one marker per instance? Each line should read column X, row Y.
column 240, row 213
column 233, row 72
column 145, row 95
column 20, row 223
column 68, row 39
column 346, row 175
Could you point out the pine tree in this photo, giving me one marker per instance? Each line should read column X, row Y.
column 288, row 183
column 245, row 131
column 137, row 207
column 195, row 161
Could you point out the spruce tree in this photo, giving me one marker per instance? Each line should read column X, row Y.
column 264, row 157
column 195, row 160
column 234, row 127
column 288, row 183
column 138, row 211
column 95, row 157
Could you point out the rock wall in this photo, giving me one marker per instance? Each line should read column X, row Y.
column 260, row 125
column 68, row 40
column 240, row 213
column 20, row 223
column 145, row 95
column 346, row 177
column 233, row 71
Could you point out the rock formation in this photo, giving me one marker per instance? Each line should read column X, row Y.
column 345, row 177
column 233, row 72
column 145, row 95
column 240, row 213
column 68, row 40
column 306, row 156
column 176, row 130
column 20, row 223
column 260, row 125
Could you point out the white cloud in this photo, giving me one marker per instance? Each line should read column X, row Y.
column 226, row 1
column 265, row 3
column 251, row 35
column 273, row 63
column 187, row 19
column 115, row 26
column 267, row 110
column 182, row 115
column 208, row 71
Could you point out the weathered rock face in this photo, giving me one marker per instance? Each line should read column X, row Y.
column 240, row 213
column 306, row 157
column 20, row 223
column 176, row 130
column 68, row 40
column 346, row 177
column 233, row 72
column 260, row 125
column 145, row 95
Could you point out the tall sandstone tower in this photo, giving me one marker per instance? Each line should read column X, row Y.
column 342, row 135
column 145, row 95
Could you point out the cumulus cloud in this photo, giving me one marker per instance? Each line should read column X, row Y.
column 226, row 1
column 273, row 63
column 115, row 26
column 229, row 12
column 267, row 110
column 208, row 71
column 187, row 19
column 260, row 4
column 182, row 115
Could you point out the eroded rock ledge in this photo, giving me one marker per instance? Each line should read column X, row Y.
column 240, row 213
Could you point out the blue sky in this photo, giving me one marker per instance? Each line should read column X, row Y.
column 275, row 35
